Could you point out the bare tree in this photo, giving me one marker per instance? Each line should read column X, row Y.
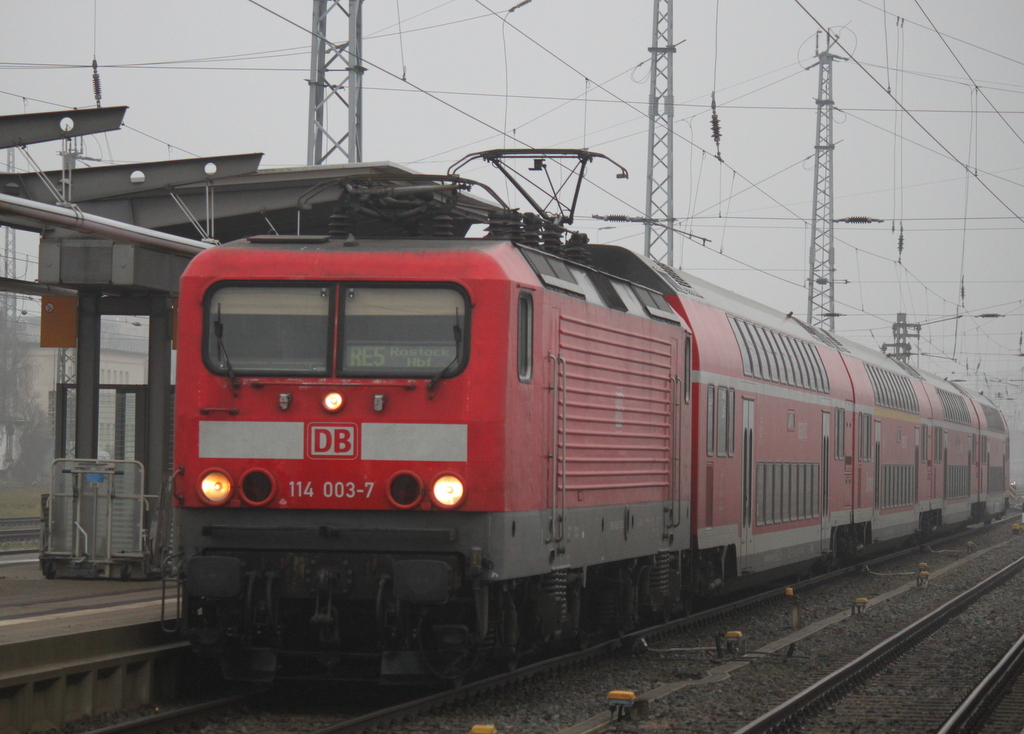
column 23, row 423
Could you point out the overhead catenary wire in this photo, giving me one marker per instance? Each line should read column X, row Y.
column 916, row 121
column 956, row 58
column 730, row 203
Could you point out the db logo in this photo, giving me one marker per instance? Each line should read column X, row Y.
column 331, row 441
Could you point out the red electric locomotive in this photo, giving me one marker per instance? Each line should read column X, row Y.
column 401, row 452
column 397, row 456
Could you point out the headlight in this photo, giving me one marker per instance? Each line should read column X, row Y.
column 215, row 487
column 333, row 401
column 448, row 491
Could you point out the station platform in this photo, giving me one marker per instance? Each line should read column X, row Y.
column 33, row 607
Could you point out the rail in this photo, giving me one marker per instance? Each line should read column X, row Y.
column 19, row 529
column 970, row 715
column 784, row 716
column 378, row 720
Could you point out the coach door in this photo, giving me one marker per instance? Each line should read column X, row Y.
column 747, row 531
column 878, row 467
column 826, row 457
column 673, row 512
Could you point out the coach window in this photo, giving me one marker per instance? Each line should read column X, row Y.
column 808, row 362
column 711, row 420
column 758, row 361
column 864, row 436
column 784, row 366
column 525, row 351
column 805, row 364
column 799, row 378
column 769, row 354
column 261, row 329
column 723, row 421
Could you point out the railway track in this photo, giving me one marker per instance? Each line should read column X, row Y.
column 865, row 686
column 996, row 705
column 392, row 716
column 19, row 529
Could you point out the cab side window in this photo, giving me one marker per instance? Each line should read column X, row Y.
column 524, row 349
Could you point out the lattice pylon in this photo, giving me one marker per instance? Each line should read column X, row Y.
column 658, row 214
column 327, row 60
column 821, row 284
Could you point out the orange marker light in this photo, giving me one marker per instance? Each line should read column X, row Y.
column 333, row 402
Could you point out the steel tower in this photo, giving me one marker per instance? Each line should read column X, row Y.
column 821, row 284
column 659, row 220
column 327, row 60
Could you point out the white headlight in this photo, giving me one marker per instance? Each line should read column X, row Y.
column 448, row 491
column 215, row 487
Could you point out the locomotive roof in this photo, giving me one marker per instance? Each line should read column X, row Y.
column 326, row 243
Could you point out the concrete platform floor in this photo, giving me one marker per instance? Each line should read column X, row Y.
column 32, row 606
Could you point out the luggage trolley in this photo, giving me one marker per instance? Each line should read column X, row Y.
column 96, row 521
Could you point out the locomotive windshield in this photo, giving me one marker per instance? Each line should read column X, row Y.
column 407, row 332
column 265, row 329
column 375, row 330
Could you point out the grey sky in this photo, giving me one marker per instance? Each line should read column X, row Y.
column 212, row 78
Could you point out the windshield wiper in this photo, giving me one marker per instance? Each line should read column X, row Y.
column 457, row 332
column 218, row 332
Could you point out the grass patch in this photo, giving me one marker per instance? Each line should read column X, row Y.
column 20, row 501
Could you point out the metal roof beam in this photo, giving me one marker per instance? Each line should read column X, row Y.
column 107, row 182
column 23, row 209
column 29, row 288
column 40, row 127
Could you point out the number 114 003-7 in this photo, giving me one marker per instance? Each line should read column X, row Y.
column 338, row 490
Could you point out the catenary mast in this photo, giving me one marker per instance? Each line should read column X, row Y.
column 327, row 60
column 821, row 284
column 659, row 220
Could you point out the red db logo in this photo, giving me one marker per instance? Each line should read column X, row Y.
column 331, row 441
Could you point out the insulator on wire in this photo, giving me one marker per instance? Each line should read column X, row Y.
column 899, row 245
column 97, row 93
column 858, row 220
column 716, row 127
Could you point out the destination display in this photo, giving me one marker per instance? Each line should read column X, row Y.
column 404, row 358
